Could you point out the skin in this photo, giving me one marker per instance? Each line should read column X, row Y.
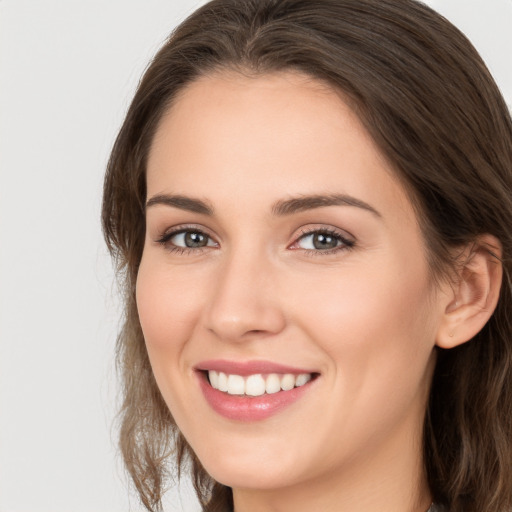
column 365, row 317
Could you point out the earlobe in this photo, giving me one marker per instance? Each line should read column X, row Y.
column 474, row 293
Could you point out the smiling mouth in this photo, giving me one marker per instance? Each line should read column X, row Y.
column 256, row 384
column 252, row 390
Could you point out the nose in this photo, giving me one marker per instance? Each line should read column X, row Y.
column 244, row 303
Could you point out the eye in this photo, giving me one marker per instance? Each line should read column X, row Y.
column 186, row 239
column 322, row 240
column 190, row 239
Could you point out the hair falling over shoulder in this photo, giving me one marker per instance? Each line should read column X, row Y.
column 430, row 104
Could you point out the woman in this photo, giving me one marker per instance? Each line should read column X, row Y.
column 310, row 203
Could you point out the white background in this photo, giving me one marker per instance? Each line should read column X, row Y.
column 68, row 69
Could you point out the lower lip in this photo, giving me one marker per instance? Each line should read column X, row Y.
column 245, row 408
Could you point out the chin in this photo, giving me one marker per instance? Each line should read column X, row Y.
column 241, row 477
column 253, row 470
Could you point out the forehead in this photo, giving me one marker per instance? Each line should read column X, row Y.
column 273, row 135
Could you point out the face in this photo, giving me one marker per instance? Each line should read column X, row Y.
column 284, row 291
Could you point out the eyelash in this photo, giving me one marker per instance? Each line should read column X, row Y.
column 164, row 240
column 346, row 244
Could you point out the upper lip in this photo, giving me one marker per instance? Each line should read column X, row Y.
column 244, row 368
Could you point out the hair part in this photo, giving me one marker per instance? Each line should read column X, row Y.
column 427, row 99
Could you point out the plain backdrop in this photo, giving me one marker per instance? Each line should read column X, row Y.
column 68, row 69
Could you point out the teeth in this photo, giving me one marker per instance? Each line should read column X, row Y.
column 236, row 385
column 222, row 382
column 214, row 379
column 273, row 384
column 302, row 379
column 257, row 384
column 288, row 382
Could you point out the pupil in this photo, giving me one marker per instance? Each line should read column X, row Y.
column 195, row 239
column 322, row 241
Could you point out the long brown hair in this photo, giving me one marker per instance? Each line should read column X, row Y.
column 430, row 104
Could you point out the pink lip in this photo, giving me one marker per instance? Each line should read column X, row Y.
column 245, row 408
column 245, row 368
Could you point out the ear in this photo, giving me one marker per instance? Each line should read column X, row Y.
column 474, row 292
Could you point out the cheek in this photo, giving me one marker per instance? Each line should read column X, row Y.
column 169, row 303
column 371, row 324
column 376, row 329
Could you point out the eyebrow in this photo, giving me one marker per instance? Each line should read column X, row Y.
column 182, row 202
column 299, row 204
column 280, row 208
